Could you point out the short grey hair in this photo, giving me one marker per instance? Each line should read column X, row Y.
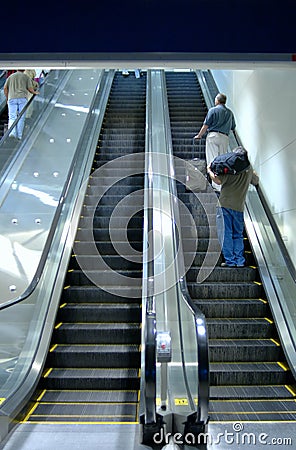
column 221, row 98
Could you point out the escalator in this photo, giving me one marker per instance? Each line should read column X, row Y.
column 249, row 376
column 92, row 371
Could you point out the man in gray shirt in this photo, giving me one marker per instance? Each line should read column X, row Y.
column 16, row 89
column 218, row 123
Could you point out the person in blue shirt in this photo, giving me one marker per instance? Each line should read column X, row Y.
column 218, row 123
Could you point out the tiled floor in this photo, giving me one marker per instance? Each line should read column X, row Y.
column 126, row 437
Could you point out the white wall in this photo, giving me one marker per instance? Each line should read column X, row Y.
column 264, row 105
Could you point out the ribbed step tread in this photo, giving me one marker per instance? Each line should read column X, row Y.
column 233, row 307
column 95, row 356
column 231, row 373
column 241, row 350
column 109, row 412
column 92, row 379
column 92, row 396
column 257, row 410
column 103, row 312
column 236, row 328
column 251, row 392
column 97, row 333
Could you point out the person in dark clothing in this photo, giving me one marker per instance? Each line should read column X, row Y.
column 230, row 213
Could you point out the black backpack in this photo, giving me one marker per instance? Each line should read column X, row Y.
column 231, row 163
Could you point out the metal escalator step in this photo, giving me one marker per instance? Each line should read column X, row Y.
column 103, row 234
column 226, row 274
column 240, row 328
column 95, row 356
column 256, row 410
column 254, row 373
column 233, row 307
column 92, row 379
column 101, row 412
column 239, row 350
column 132, row 272
column 97, row 333
column 225, row 290
column 250, row 392
column 93, row 396
column 101, row 312
column 93, row 294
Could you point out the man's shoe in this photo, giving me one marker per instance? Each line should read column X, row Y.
column 224, row 264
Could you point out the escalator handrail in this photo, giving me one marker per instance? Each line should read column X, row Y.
column 48, row 242
column 150, row 314
column 199, row 318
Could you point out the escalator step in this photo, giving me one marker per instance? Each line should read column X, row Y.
column 103, row 312
column 93, row 294
column 233, row 307
column 240, row 350
column 92, row 379
column 257, row 410
column 77, row 412
column 251, row 392
column 227, row 290
column 97, row 333
column 237, row 373
column 95, row 356
column 235, row 328
column 93, row 396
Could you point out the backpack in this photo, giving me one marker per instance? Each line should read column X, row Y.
column 231, row 163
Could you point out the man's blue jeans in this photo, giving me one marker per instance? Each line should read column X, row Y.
column 15, row 106
column 230, row 228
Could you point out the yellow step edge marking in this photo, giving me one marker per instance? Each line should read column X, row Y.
column 47, row 373
column 64, row 422
column 268, row 320
column 283, row 366
column 262, row 300
column 53, row 348
column 291, row 390
column 66, row 287
column 71, row 270
column 79, row 415
column 181, row 402
column 253, row 421
column 63, row 305
column 87, row 403
column 275, row 342
column 258, row 283
column 58, row 325
column 30, row 413
column 41, row 395
column 2, row 400
column 255, row 400
column 253, row 412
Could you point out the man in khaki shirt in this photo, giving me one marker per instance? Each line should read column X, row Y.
column 230, row 213
column 16, row 89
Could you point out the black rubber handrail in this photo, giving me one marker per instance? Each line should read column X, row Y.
column 150, row 314
column 200, row 321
